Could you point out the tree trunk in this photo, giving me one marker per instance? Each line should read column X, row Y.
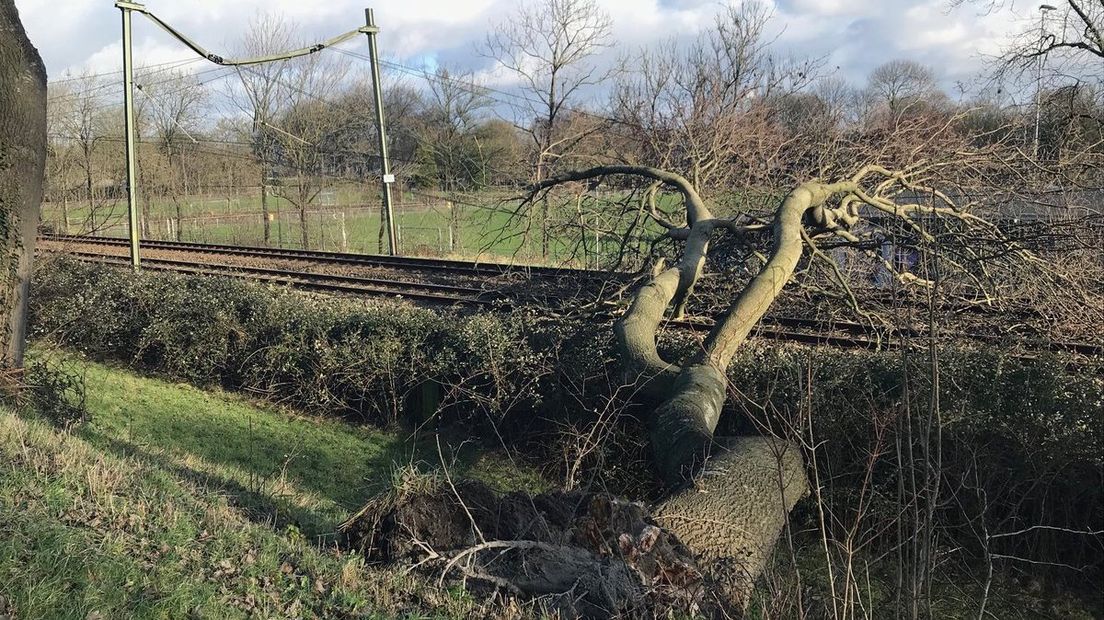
column 383, row 226
column 303, row 236
column 732, row 516
column 22, row 168
column 91, row 200
column 143, row 188
column 264, row 206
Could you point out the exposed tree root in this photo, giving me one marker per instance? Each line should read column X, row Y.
column 593, row 555
column 580, row 554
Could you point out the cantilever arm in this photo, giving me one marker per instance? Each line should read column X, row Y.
column 232, row 62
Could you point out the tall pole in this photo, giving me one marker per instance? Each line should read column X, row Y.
column 1043, row 9
column 371, row 30
column 128, row 110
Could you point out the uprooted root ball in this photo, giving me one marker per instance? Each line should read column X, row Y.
column 575, row 553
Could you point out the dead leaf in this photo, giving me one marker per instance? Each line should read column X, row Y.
column 648, row 538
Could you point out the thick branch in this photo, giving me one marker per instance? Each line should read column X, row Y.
column 636, row 329
column 756, row 298
column 695, row 207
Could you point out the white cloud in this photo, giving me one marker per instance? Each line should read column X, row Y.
column 856, row 35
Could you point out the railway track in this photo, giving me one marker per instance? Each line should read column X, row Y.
column 436, row 265
column 839, row 334
column 851, row 335
column 440, row 294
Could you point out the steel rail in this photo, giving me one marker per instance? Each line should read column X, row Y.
column 368, row 260
column 432, row 293
column 456, row 267
column 862, row 336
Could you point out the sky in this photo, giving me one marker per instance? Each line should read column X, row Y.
column 852, row 36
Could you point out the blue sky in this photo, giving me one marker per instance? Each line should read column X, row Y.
column 853, row 35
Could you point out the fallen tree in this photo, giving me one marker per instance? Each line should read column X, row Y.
column 728, row 498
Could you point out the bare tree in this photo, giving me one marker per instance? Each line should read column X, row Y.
column 550, row 47
column 353, row 144
column 308, row 122
column 177, row 101
column 840, row 99
column 452, row 113
column 22, row 165
column 899, row 84
column 262, row 94
column 448, row 139
column 80, row 122
column 699, row 106
column 60, row 160
column 1075, row 45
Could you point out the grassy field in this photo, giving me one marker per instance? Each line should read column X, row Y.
column 480, row 226
column 173, row 502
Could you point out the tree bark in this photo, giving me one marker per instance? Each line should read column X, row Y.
column 304, row 238
column 22, row 168
column 733, row 494
column 682, row 426
column 732, row 516
column 88, row 186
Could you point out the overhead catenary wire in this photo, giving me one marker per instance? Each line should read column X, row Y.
column 226, row 71
column 237, row 62
column 144, row 71
column 228, row 67
column 417, row 73
column 165, row 114
column 168, row 65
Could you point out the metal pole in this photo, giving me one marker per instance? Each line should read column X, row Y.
column 128, row 110
column 385, row 165
column 1043, row 8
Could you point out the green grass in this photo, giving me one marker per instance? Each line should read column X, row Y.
column 307, row 471
column 173, row 502
column 482, row 229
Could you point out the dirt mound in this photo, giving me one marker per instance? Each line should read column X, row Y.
column 579, row 554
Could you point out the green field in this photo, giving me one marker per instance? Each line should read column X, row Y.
column 481, row 226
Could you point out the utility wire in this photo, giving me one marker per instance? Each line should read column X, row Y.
column 165, row 114
column 230, row 62
column 226, row 71
column 171, row 64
